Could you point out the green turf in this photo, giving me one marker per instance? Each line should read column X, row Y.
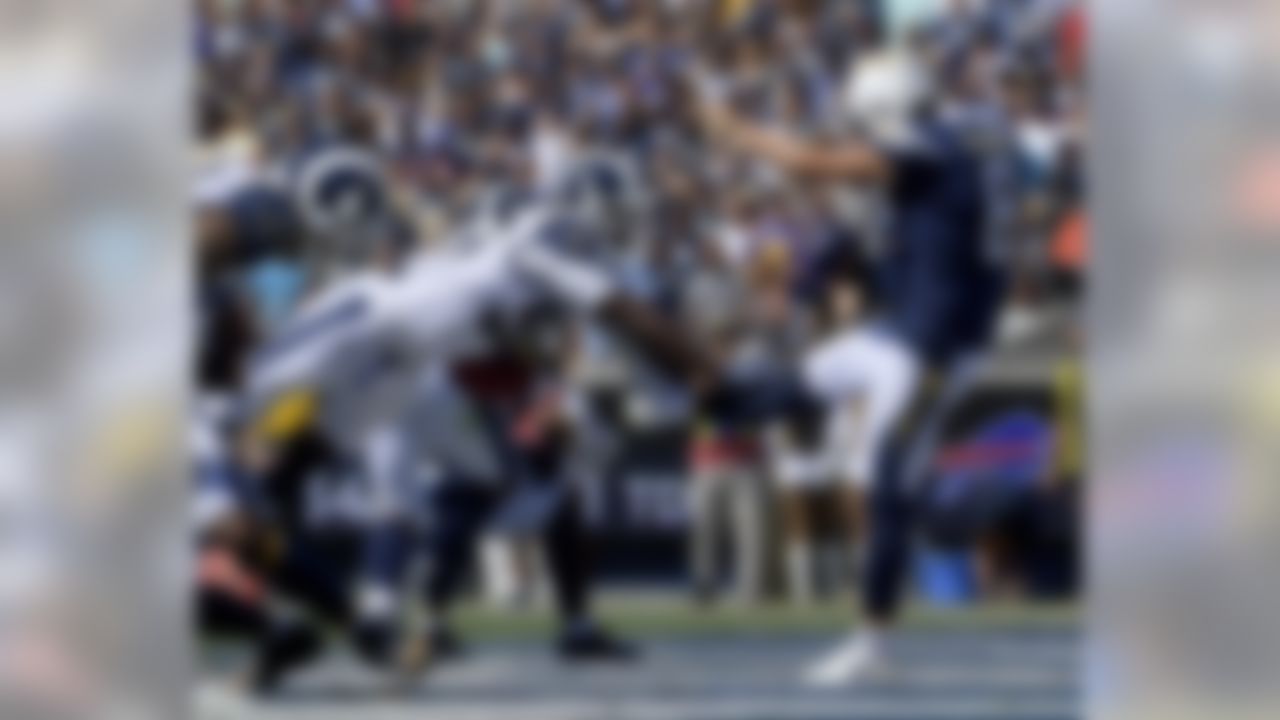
column 668, row 615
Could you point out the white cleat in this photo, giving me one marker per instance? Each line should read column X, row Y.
column 859, row 657
column 220, row 700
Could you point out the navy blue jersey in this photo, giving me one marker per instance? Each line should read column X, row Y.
column 941, row 292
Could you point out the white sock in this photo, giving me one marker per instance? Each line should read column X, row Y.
column 499, row 574
column 375, row 602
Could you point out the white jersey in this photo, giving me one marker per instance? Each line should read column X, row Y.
column 369, row 345
column 364, row 340
column 357, row 342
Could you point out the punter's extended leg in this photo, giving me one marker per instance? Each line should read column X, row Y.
column 888, row 539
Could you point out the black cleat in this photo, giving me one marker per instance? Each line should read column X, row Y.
column 595, row 646
column 282, row 651
column 375, row 643
column 383, row 647
column 446, row 645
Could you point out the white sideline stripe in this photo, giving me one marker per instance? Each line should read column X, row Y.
column 1025, row 680
column 535, row 680
column 840, row 707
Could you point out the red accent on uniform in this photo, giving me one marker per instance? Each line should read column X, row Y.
column 495, row 379
column 218, row 569
column 537, row 422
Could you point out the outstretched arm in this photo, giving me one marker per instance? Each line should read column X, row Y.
column 844, row 160
column 735, row 401
column 666, row 345
column 585, row 287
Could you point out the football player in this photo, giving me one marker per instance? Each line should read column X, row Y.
column 938, row 291
column 336, row 382
column 489, row 431
column 939, row 296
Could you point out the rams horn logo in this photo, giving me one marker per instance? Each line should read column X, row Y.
column 342, row 191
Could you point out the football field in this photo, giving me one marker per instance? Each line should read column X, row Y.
column 999, row 663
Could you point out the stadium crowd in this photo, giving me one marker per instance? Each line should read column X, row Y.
column 466, row 99
column 464, row 105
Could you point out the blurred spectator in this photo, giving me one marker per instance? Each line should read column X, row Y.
column 727, row 488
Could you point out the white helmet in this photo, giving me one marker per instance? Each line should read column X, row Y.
column 883, row 93
column 341, row 188
column 601, row 204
